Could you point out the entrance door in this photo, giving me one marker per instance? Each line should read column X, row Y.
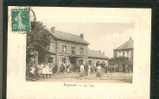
column 73, row 61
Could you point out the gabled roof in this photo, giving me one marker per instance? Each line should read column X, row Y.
column 127, row 45
column 69, row 37
column 96, row 54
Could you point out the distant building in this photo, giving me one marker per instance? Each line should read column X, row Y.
column 123, row 57
column 97, row 57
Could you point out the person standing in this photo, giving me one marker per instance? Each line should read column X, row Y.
column 51, row 66
column 48, row 71
column 106, row 67
column 32, row 72
column 68, row 68
column 82, row 70
column 54, row 69
column 43, row 71
column 86, row 68
column 39, row 70
column 62, row 68
column 89, row 69
column 98, row 71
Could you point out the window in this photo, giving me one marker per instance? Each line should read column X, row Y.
column 50, row 60
column 81, row 51
column 73, row 50
column 80, row 61
column 64, row 48
column 52, row 46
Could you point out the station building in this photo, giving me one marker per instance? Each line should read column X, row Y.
column 71, row 49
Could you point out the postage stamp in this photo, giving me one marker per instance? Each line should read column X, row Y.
column 20, row 20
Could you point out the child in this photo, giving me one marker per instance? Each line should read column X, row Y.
column 39, row 70
column 43, row 71
column 48, row 71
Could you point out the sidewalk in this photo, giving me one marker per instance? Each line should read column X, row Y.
column 114, row 77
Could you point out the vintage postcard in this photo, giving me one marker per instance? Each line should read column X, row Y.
column 78, row 53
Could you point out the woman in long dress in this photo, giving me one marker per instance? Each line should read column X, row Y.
column 46, row 71
column 98, row 71
column 89, row 69
column 82, row 70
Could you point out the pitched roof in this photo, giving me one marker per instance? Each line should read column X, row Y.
column 96, row 54
column 127, row 45
column 69, row 37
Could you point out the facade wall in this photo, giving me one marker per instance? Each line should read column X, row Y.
column 69, row 46
column 63, row 50
column 52, row 47
column 128, row 53
column 124, row 66
column 51, row 58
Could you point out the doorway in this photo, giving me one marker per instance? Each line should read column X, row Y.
column 73, row 62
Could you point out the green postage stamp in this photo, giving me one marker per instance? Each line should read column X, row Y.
column 20, row 20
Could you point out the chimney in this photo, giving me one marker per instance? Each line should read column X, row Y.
column 81, row 35
column 53, row 29
column 130, row 38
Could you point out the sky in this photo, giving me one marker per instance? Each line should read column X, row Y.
column 104, row 35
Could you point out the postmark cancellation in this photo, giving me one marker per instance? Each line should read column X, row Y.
column 20, row 20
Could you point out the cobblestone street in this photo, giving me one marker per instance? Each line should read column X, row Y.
column 106, row 77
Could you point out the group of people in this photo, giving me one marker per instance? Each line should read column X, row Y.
column 83, row 69
column 41, row 71
column 44, row 71
column 65, row 68
column 87, row 69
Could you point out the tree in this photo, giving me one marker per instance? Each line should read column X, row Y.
column 38, row 41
